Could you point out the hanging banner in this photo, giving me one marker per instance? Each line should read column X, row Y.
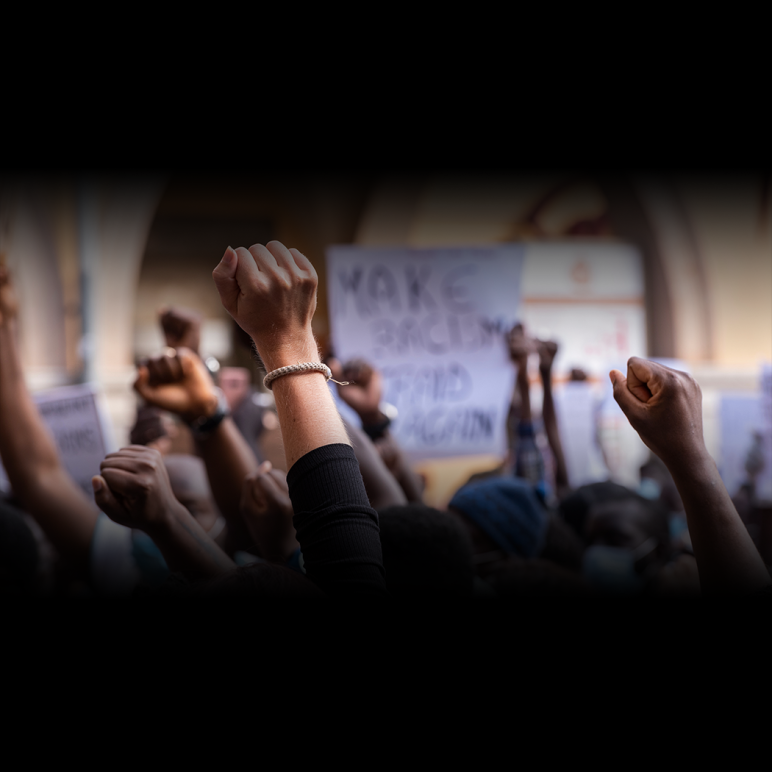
column 434, row 322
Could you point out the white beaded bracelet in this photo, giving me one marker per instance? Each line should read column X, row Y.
column 303, row 367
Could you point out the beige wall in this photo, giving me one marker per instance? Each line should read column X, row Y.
column 735, row 242
column 715, row 246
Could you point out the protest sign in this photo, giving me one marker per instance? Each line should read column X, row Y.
column 434, row 322
column 78, row 425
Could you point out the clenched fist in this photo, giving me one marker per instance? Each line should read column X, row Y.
column 179, row 382
column 271, row 293
column 665, row 407
column 133, row 488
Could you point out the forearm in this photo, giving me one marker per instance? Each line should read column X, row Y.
column 229, row 460
column 383, row 489
column 187, row 549
column 31, row 460
column 551, row 428
column 26, row 446
column 336, row 527
column 728, row 561
column 305, row 407
column 411, row 483
column 523, row 389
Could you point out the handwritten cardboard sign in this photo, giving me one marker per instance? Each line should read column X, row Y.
column 434, row 322
column 75, row 418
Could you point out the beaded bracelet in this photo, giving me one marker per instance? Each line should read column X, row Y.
column 303, row 367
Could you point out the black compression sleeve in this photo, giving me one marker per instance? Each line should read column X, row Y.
column 337, row 529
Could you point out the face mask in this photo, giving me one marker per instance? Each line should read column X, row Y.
column 615, row 570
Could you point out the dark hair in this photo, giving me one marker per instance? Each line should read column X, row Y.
column 575, row 507
column 426, row 553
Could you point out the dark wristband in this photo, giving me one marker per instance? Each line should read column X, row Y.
column 205, row 425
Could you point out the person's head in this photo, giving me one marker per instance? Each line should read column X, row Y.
column 628, row 541
column 575, row 507
column 502, row 514
column 629, row 523
column 426, row 553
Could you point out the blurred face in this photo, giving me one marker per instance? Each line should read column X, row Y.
column 235, row 382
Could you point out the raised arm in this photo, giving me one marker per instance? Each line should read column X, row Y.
column 179, row 382
column 133, row 489
column 388, row 477
column 665, row 407
column 547, row 351
column 529, row 463
column 29, row 454
column 271, row 293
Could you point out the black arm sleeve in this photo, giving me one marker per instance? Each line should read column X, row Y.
column 337, row 529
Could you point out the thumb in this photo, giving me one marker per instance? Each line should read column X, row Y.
column 225, row 280
column 622, row 395
column 104, row 498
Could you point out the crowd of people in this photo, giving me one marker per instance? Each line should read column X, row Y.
column 338, row 511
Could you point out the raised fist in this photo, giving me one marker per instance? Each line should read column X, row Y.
column 179, row 382
column 664, row 406
column 181, row 328
column 520, row 345
column 547, row 349
column 364, row 390
column 271, row 293
column 133, row 488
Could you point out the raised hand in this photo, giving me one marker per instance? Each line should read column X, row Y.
column 520, row 346
column 267, row 511
column 133, row 488
column 364, row 390
column 665, row 407
column 181, row 328
column 271, row 293
column 547, row 349
column 179, row 382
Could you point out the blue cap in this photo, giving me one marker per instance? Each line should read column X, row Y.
column 508, row 510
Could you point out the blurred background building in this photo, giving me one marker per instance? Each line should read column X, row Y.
column 94, row 258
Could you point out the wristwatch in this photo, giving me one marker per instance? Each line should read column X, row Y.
column 205, row 425
column 376, row 431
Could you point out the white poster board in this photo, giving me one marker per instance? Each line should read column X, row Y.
column 76, row 420
column 433, row 321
